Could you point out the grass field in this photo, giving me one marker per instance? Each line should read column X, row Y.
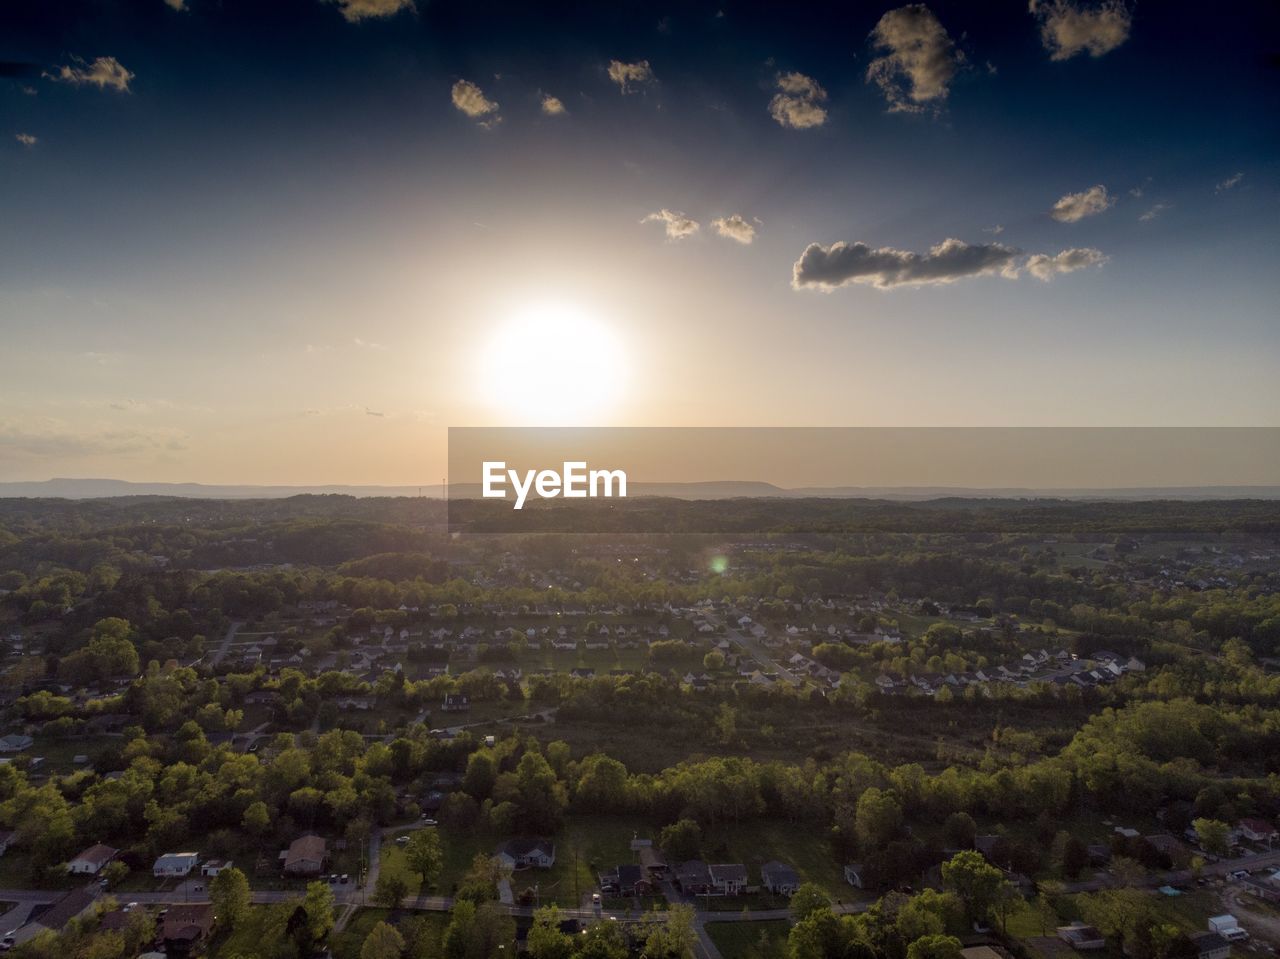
column 738, row 939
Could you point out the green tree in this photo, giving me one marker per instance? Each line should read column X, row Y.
column 229, row 893
column 318, row 903
column 934, row 947
column 546, row 940
column 424, row 855
column 1214, row 836
column 383, row 942
column 807, row 900
column 979, row 884
column 877, row 819
column 681, row 840
column 390, row 889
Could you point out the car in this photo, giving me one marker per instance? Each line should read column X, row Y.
column 428, row 821
column 344, row 879
column 9, row 941
column 130, row 906
column 401, row 840
column 104, row 882
column 595, row 899
column 162, row 913
column 253, row 747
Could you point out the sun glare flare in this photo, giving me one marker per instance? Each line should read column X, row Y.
column 553, row 365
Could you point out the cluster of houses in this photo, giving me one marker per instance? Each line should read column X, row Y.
column 305, row 856
column 1060, row 668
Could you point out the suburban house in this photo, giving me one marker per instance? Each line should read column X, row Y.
column 186, row 926
column 15, row 743
column 626, row 880
column 853, row 874
column 91, row 861
column 728, row 878
column 693, row 878
column 527, row 854
column 456, row 703
column 305, row 856
column 1257, row 830
column 173, row 864
column 1081, row 937
column 211, row 867
column 779, row 878
column 71, row 906
column 1210, row 945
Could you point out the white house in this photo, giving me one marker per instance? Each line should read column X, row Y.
column 173, row 864
column 91, row 861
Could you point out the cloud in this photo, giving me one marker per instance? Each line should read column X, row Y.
column 920, row 59
column 994, row 230
column 1076, row 206
column 470, row 99
column 552, row 106
column 678, row 226
column 628, row 76
column 356, row 10
column 1230, row 183
column 798, row 104
column 26, row 139
column 1068, row 27
column 177, row 4
column 102, row 73
column 1154, row 212
column 50, row 437
column 827, row 268
column 735, row 228
column 367, row 345
column 1045, row 267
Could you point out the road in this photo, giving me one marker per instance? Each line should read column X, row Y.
column 758, row 653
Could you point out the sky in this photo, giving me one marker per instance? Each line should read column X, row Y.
column 294, row 242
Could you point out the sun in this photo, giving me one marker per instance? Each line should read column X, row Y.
column 553, row 365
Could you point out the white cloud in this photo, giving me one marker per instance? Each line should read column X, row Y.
column 735, row 228
column 102, row 73
column 919, row 62
column 26, row 139
column 1045, row 267
column 798, row 104
column 1154, row 212
column 368, row 345
column 552, row 106
column 356, row 10
column 1230, row 183
column 827, row 268
column 628, row 76
column 470, row 99
column 1076, row 206
column 1068, row 27
column 678, row 226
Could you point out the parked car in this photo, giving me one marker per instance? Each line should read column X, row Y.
column 428, row 821
column 9, row 941
column 344, row 879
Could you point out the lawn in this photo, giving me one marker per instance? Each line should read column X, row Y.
column 737, row 939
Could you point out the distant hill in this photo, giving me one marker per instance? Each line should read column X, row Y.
column 729, row 489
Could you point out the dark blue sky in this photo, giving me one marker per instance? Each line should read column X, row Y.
column 279, row 211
